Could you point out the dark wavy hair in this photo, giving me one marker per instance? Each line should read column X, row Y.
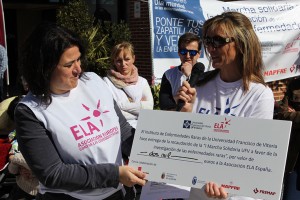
column 40, row 56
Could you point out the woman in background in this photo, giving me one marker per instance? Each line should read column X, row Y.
column 131, row 91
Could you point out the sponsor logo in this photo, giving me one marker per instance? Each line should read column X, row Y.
column 295, row 68
column 194, row 180
column 233, row 187
column 263, row 192
column 290, row 47
column 187, row 124
column 221, row 126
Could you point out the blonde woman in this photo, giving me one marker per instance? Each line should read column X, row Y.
column 131, row 91
column 236, row 87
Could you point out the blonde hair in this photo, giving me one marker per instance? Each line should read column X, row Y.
column 248, row 47
column 119, row 47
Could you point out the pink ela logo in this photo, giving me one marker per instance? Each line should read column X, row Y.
column 79, row 131
column 222, row 125
column 96, row 113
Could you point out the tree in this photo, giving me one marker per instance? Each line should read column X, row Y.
column 99, row 38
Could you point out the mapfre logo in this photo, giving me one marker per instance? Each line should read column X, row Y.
column 233, row 187
column 221, row 126
column 264, row 192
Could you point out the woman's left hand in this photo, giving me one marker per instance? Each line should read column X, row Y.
column 214, row 191
column 130, row 176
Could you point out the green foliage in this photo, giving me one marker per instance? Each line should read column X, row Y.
column 155, row 92
column 99, row 38
column 75, row 16
column 120, row 32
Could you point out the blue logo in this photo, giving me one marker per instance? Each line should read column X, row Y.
column 187, row 124
column 194, row 181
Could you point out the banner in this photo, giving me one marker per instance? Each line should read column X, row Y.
column 2, row 26
column 3, row 38
column 275, row 22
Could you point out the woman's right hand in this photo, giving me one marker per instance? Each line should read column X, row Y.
column 188, row 95
column 214, row 191
column 129, row 176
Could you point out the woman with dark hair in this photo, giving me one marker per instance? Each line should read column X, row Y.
column 70, row 130
column 236, row 87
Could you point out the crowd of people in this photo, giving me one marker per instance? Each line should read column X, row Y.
column 75, row 130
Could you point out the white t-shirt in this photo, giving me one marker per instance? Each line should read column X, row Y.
column 222, row 98
column 140, row 95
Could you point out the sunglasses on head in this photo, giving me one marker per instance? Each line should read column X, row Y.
column 216, row 41
column 191, row 52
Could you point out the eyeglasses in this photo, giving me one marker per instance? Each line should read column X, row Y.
column 216, row 41
column 191, row 52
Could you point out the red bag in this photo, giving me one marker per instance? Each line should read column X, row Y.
column 5, row 146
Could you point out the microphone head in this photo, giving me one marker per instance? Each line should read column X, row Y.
column 197, row 71
column 198, row 68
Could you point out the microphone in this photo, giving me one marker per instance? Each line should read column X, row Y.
column 197, row 71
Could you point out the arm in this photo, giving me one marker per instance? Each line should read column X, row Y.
column 288, row 113
column 43, row 159
column 147, row 100
column 145, row 103
column 166, row 100
column 290, row 116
